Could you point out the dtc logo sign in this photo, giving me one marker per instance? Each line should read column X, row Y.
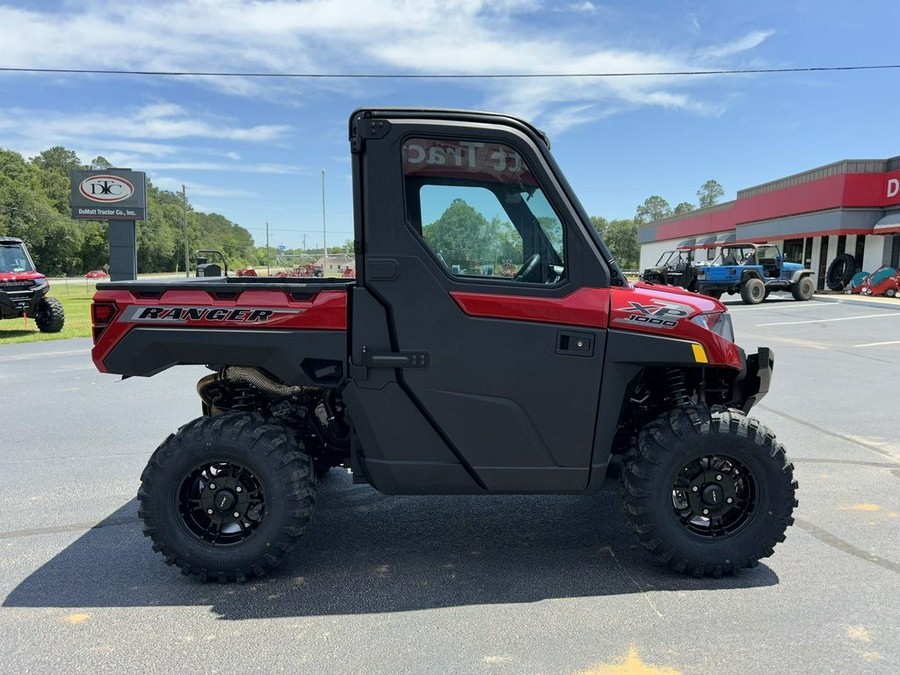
column 106, row 189
column 114, row 194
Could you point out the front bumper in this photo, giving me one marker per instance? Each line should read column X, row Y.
column 753, row 383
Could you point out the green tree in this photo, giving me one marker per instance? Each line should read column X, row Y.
column 600, row 224
column 709, row 193
column 34, row 205
column 621, row 239
column 462, row 236
column 682, row 208
column 653, row 208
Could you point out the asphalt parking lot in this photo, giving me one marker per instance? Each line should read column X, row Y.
column 455, row 585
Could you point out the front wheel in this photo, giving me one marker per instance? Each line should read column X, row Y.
column 708, row 493
column 227, row 497
column 49, row 316
column 803, row 289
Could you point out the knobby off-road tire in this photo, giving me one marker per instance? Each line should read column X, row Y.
column 803, row 289
column 50, row 315
column 227, row 497
column 677, row 482
column 840, row 272
column 753, row 291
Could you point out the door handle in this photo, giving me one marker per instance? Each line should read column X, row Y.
column 574, row 344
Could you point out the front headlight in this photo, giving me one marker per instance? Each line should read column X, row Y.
column 717, row 322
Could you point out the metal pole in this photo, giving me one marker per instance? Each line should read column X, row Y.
column 268, row 271
column 184, row 227
column 324, row 244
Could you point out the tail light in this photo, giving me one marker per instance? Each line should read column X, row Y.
column 102, row 314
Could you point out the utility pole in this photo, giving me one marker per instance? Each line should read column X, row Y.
column 268, row 272
column 324, row 244
column 187, row 272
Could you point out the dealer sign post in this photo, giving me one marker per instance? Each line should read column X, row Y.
column 119, row 196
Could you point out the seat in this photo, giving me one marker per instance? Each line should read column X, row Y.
column 729, row 260
column 770, row 267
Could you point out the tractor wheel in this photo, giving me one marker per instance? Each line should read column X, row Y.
column 803, row 289
column 227, row 497
column 708, row 493
column 50, row 315
column 840, row 272
column 753, row 291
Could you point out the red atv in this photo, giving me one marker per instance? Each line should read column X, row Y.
column 23, row 290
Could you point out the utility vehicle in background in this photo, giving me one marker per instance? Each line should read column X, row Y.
column 23, row 290
column 436, row 372
column 754, row 271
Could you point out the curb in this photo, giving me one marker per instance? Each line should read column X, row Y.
column 881, row 303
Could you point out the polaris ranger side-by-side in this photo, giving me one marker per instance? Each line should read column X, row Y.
column 435, row 372
column 23, row 290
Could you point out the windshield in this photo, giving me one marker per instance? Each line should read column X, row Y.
column 736, row 255
column 14, row 259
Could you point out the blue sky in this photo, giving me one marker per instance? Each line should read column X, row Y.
column 254, row 149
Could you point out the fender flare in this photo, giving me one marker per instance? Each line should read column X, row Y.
column 750, row 274
column 799, row 274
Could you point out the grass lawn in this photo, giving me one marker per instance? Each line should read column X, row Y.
column 75, row 296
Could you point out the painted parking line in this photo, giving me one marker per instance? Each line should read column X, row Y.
column 25, row 357
column 879, row 344
column 890, row 315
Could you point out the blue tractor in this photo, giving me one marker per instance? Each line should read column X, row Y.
column 754, row 271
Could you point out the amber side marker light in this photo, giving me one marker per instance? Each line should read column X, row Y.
column 102, row 314
column 699, row 353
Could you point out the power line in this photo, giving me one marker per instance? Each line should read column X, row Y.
column 445, row 76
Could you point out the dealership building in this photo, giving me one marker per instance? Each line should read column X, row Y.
column 852, row 206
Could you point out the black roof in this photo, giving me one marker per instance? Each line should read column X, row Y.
column 10, row 240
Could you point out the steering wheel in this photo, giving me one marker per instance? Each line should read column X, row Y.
column 528, row 268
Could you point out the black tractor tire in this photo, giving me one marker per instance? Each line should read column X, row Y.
column 49, row 316
column 840, row 272
column 804, row 289
column 753, row 291
column 677, row 482
column 263, row 476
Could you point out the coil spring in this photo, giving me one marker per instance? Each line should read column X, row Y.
column 236, row 396
column 677, row 387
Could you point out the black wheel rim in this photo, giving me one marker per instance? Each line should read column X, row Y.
column 220, row 503
column 714, row 496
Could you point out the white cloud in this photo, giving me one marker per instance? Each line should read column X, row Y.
column 201, row 190
column 472, row 37
column 743, row 44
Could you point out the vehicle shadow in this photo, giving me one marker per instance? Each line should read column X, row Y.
column 370, row 553
column 16, row 333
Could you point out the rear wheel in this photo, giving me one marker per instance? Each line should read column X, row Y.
column 803, row 289
column 50, row 315
column 227, row 497
column 753, row 291
column 708, row 493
